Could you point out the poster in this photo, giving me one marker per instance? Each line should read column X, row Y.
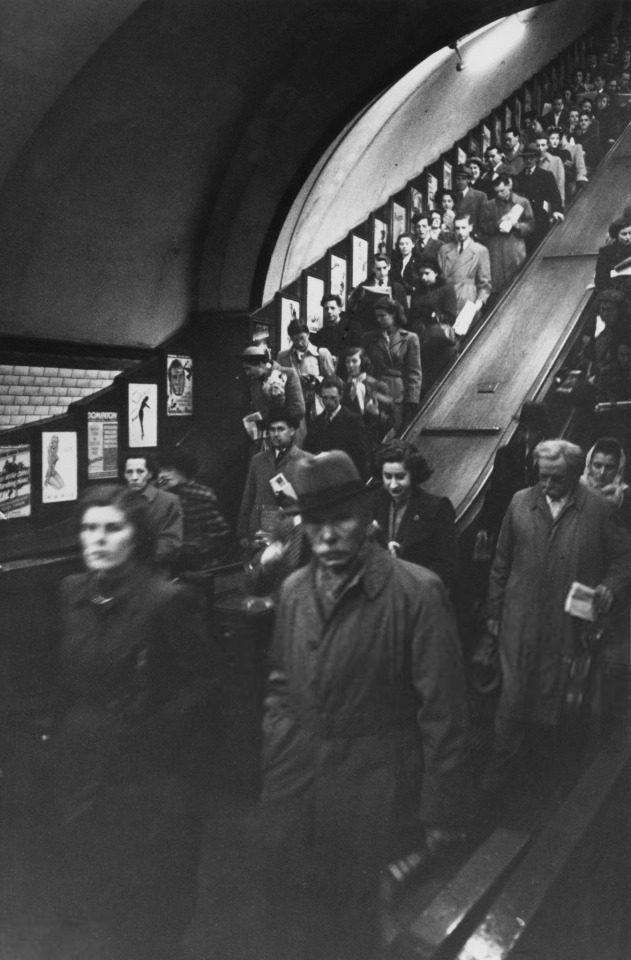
column 416, row 200
column 360, row 260
column 486, row 138
column 15, row 481
column 447, row 175
column 289, row 310
column 143, row 414
column 381, row 238
column 338, row 277
column 398, row 222
column 179, row 386
column 315, row 293
column 497, row 130
column 432, row 188
column 59, row 467
column 518, row 113
column 508, row 118
column 102, row 445
column 462, row 156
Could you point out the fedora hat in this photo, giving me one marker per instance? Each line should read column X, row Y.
column 257, row 353
column 463, row 170
column 530, row 151
column 326, row 479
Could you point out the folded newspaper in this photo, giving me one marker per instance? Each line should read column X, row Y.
column 465, row 318
column 580, row 602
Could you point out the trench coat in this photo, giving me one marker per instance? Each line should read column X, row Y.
column 367, row 730
column 258, row 493
column 397, row 361
column 506, row 250
column 536, row 561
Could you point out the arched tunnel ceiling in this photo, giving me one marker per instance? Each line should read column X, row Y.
column 173, row 127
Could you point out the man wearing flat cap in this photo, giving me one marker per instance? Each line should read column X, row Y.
column 468, row 200
column 365, row 728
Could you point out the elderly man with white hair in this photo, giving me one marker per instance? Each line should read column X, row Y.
column 553, row 534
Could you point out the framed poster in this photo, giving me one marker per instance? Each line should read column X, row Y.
column 399, row 221
column 527, row 99
column 262, row 331
column 15, row 481
column 447, row 175
column 416, row 201
column 102, row 445
column 486, row 138
column 498, row 133
column 360, row 260
column 142, row 411
column 59, row 467
column 315, row 292
column 179, row 386
column 517, row 108
column 289, row 310
column 474, row 146
column 508, row 117
column 381, row 236
column 338, row 278
column 461, row 156
column 432, row 190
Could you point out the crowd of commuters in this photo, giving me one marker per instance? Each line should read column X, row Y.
column 366, row 745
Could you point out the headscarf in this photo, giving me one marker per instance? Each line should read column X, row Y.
column 613, row 491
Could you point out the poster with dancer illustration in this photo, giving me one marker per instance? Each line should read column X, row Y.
column 143, row 414
column 59, row 467
column 179, row 386
column 15, row 481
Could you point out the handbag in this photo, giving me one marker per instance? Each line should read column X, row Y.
column 581, row 687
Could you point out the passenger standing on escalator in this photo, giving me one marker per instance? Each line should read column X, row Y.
column 553, row 534
column 506, row 221
column 395, row 354
column 612, row 255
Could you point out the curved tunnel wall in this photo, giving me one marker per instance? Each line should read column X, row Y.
column 158, row 181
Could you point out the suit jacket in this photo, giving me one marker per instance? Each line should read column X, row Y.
column 362, row 302
column 345, row 333
column 426, row 533
column 346, row 431
column 258, row 492
column 469, row 271
column 316, row 361
column 471, row 203
column 540, row 187
column 430, row 250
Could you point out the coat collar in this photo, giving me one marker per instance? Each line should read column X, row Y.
column 375, row 572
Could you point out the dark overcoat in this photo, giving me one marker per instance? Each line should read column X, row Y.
column 536, row 561
column 369, row 726
column 426, row 534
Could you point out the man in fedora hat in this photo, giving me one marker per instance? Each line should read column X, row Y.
column 365, row 725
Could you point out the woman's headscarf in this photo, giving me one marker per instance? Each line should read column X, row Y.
column 613, row 491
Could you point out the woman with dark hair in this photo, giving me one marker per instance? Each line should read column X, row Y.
column 432, row 315
column 611, row 255
column 417, row 526
column 405, row 264
column 396, row 358
column 446, row 204
column 367, row 396
column 435, row 224
column 133, row 683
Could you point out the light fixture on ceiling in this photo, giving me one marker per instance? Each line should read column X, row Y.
column 461, row 64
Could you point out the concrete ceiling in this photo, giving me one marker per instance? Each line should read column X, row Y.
column 152, row 150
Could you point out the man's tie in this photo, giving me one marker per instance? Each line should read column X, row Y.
column 461, row 246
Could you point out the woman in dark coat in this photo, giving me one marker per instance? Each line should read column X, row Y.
column 613, row 254
column 432, row 315
column 417, row 526
column 127, row 809
column 405, row 264
column 396, row 358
